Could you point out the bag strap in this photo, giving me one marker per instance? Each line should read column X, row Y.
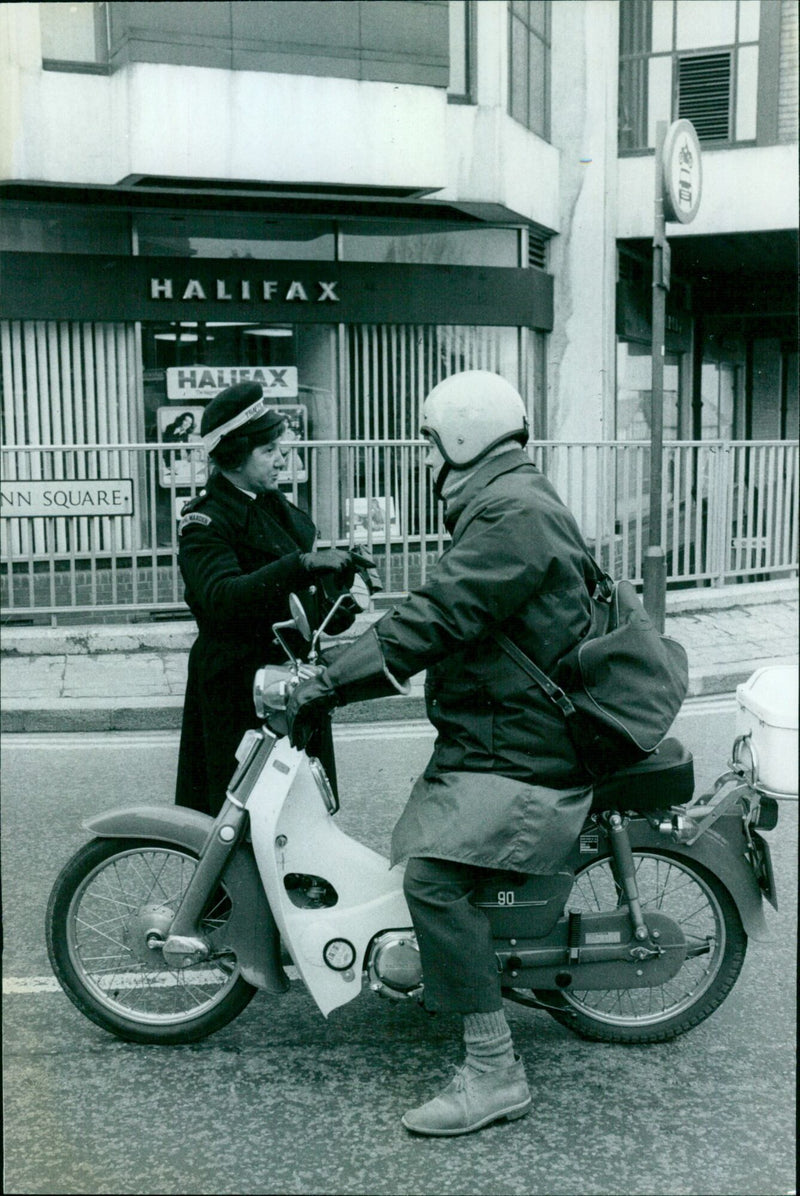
column 603, row 588
column 553, row 691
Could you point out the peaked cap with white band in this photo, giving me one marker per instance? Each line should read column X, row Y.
column 240, row 410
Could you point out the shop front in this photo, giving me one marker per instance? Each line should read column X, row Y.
column 108, row 360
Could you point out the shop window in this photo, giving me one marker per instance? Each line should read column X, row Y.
column 234, row 236
column 391, row 368
column 718, row 391
column 461, row 87
column 529, row 64
column 74, row 36
column 69, row 383
column 49, row 228
column 476, row 247
column 693, row 60
column 634, row 391
column 187, row 363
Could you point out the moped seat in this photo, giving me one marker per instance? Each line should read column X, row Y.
column 665, row 778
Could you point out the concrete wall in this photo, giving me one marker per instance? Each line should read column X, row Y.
column 149, row 118
column 490, row 156
column 744, row 190
column 581, row 371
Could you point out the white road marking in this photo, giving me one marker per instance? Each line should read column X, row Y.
column 709, row 704
column 344, row 733
column 29, row 986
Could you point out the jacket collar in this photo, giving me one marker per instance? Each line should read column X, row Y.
column 480, row 476
column 229, row 495
column 289, row 527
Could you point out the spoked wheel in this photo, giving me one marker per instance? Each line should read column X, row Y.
column 702, row 907
column 102, row 912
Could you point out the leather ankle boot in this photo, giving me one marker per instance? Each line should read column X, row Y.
column 472, row 1100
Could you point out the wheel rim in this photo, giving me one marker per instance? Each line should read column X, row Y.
column 669, row 886
column 105, row 939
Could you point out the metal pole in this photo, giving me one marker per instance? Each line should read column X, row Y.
column 654, row 566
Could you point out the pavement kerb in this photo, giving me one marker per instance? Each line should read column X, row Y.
column 42, row 665
column 178, row 635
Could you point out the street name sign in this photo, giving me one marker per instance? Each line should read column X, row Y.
column 70, row 496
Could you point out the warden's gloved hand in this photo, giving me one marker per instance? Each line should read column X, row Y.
column 329, row 560
column 308, row 705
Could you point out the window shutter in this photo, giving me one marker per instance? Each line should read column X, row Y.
column 704, row 94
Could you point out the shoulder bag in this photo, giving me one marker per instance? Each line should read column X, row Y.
column 620, row 687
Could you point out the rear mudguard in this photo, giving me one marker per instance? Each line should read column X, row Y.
column 721, row 850
column 251, row 930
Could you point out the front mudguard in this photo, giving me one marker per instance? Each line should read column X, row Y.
column 721, row 850
column 251, row 930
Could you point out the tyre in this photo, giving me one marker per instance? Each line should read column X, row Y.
column 700, row 904
column 104, row 902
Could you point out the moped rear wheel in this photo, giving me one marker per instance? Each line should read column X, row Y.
column 706, row 913
column 103, row 905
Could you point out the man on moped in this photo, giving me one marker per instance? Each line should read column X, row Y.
column 504, row 789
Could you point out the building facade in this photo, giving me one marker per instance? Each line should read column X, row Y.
column 349, row 201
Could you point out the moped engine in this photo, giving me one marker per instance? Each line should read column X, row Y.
column 393, row 965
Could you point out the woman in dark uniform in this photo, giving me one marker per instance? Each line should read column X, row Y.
column 243, row 549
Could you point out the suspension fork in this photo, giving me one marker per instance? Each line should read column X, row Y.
column 185, row 944
column 625, row 870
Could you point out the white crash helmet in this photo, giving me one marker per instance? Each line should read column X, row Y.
column 470, row 413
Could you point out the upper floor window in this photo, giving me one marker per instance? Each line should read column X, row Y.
column 74, row 36
column 529, row 64
column 461, row 87
column 688, row 59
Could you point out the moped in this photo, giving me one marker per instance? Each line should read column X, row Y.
column 163, row 927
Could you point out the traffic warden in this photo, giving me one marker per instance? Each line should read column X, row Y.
column 504, row 789
column 243, row 548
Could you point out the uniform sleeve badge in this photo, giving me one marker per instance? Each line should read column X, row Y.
column 194, row 517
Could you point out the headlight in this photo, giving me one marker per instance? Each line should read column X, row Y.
column 271, row 690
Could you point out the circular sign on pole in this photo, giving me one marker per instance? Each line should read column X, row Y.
column 683, row 172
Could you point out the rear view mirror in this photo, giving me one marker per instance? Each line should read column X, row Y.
column 299, row 617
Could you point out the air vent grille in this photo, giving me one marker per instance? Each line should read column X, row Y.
column 704, row 96
column 537, row 249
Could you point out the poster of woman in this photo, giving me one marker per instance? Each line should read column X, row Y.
column 183, row 464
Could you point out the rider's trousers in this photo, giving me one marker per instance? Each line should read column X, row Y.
column 454, row 936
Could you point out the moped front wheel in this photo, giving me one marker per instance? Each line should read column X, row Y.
column 101, row 915
column 716, row 943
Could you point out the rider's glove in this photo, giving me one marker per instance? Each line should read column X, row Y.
column 308, row 706
column 329, row 560
column 356, row 674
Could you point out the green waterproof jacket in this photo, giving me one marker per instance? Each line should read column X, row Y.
column 516, row 562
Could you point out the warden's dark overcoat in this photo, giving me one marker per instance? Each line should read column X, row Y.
column 240, row 560
column 504, row 787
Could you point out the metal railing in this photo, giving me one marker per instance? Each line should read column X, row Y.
column 729, row 512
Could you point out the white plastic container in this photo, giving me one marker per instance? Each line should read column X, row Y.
column 767, row 709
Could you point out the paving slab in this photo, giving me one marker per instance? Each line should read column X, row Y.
column 134, row 676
